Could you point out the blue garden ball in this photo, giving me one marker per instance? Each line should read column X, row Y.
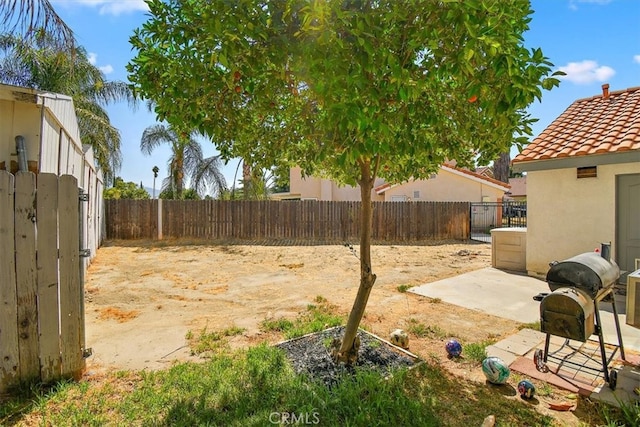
column 453, row 347
column 526, row 389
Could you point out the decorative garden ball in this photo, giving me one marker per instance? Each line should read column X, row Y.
column 495, row 370
column 526, row 389
column 399, row 338
column 453, row 347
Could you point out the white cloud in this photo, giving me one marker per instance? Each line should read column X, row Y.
column 586, row 72
column 108, row 7
column 573, row 4
column 107, row 69
column 93, row 60
column 636, row 58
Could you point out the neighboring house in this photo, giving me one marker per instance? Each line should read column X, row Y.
column 48, row 124
column 518, row 191
column 583, row 182
column 450, row 184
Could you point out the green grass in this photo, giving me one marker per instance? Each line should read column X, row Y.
column 211, row 342
column 628, row 414
column 317, row 317
column 256, row 387
column 476, row 352
column 533, row 325
column 403, row 288
column 422, row 330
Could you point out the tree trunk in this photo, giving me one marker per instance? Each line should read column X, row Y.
column 348, row 351
column 246, row 180
column 501, row 167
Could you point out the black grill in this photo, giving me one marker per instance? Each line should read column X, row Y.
column 589, row 272
column 571, row 311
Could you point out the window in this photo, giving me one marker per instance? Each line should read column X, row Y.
column 416, row 194
column 588, row 172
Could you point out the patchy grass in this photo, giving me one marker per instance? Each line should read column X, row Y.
column 258, row 387
column 403, row 288
column 212, row 342
column 533, row 325
column 476, row 352
column 318, row 316
column 422, row 330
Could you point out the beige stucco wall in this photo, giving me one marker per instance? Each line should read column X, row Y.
column 567, row 216
column 324, row 189
column 447, row 187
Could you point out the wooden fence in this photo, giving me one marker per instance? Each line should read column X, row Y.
column 308, row 221
column 41, row 293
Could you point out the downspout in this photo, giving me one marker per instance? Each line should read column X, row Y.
column 22, row 154
column 41, row 135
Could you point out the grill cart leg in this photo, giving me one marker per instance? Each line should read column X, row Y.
column 547, row 339
column 601, row 341
column 615, row 318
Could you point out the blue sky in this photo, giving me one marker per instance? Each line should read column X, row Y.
column 593, row 41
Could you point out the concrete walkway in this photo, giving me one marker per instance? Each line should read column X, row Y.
column 510, row 295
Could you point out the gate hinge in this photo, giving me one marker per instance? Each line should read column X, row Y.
column 82, row 195
column 85, row 253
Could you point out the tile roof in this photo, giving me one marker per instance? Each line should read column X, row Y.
column 518, row 186
column 606, row 123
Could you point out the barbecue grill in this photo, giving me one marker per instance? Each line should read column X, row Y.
column 571, row 310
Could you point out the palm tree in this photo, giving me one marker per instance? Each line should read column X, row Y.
column 186, row 161
column 31, row 17
column 39, row 63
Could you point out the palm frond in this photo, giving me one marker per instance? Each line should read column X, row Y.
column 31, row 17
column 156, row 135
column 208, row 175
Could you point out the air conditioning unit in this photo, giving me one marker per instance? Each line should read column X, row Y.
column 633, row 299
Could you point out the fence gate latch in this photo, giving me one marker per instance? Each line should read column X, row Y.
column 85, row 253
column 82, row 195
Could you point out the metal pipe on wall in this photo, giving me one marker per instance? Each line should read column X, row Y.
column 22, row 154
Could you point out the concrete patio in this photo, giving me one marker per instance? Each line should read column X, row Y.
column 572, row 365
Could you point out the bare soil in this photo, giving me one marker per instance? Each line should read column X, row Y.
column 143, row 299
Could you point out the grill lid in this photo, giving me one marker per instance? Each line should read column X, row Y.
column 588, row 271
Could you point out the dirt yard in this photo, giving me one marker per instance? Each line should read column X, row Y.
column 143, row 299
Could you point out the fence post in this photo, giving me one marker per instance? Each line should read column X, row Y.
column 9, row 355
column 159, row 218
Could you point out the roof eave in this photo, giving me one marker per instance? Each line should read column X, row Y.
column 632, row 156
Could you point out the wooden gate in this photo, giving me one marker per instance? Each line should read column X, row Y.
column 41, row 293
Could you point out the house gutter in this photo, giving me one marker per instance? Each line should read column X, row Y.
column 578, row 161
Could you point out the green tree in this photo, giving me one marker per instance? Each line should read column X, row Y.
column 350, row 90
column 186, row 161
column 125, row 190
column 41, row 64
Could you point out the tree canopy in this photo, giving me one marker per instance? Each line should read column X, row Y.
column 405, row 84
column 351, row 90
column 125, row 190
